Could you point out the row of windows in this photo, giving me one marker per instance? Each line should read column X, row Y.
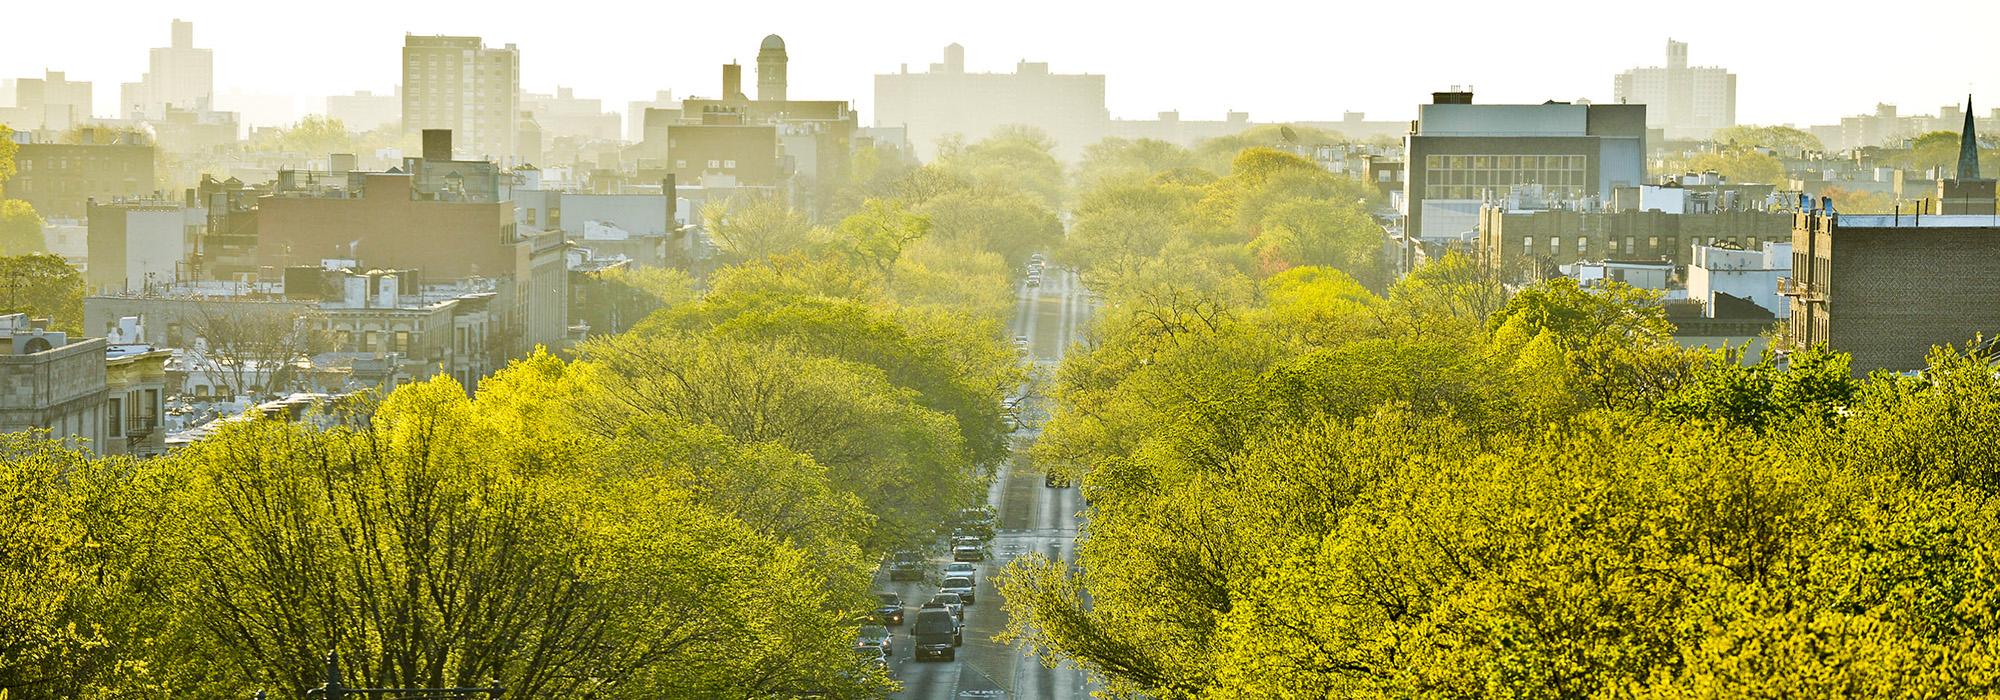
column 1493, row 162
column 712, row 165
column 1474, row 176
column 1556, row 244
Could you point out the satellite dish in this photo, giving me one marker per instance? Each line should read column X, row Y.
column 1286, row 134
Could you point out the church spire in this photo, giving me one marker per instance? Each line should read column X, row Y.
column 1968, row 147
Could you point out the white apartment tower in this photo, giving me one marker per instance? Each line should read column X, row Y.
column 949, row 101
column 178, row 76
column 1686, row 102
column 456, row 83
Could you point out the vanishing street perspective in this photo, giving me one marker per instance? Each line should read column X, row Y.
column 924, row 350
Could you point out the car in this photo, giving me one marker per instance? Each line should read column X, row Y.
column 907, row 567
column 875, row 658
column 961, row 585
column 875, row 637
column 1009, row 423
column 968, row 551
column 951, row 602
column 1035, row 281
column 889, row 611
column 1037, row 257
column 962, row 568
column 937, row 632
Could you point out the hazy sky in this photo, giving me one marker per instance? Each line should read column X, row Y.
column 1795, row 63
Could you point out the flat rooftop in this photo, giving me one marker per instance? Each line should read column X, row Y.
column 1991, row 221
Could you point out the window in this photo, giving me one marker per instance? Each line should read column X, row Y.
column 116, row 416
column 730, row 164
column 531, row 216
column 715, row 164
column 402, row 341
column 1629, row 241
column 368, row 341
column 150, row 406
column 1652, row 244
column 1528, row 245
column 1582, row 244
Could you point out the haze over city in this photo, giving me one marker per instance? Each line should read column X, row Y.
column 999, row 351
column 1279, row 61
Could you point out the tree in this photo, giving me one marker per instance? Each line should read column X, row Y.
column 1012, row 225
column 1303, row 231
column 314, row 135
column 1740, row 165
column 1783, row 139
column 756, row 227
column 1122, row 159
column 20, row 229
column 256, row 349
column 43, row 286
column 876, row 236
column 1014, row 159
column 907, row 463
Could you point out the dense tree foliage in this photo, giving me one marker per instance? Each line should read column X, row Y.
column 43, row 286
column 694, row 508
column 1298, row 487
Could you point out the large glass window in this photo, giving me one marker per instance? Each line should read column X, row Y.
column 1477, row 176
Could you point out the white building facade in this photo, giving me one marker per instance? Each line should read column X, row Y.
column 1687, row 102
column 1751, row 275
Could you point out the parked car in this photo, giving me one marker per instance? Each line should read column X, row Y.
column 951, row 602
column 962, row 586
column 876, row 637
column 889, row 610
column 936, row 632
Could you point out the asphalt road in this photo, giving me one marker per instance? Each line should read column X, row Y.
column 1033, row 518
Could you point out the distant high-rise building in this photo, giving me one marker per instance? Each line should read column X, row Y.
column 947, row 101
column 1686, row 102
column 456, row 83
column 565, row 115
column 49, row 102
column 366, row 111
column 770, row 70
column 635, row 113
column 179, row 76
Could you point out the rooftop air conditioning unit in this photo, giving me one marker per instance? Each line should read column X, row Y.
column 32, row 342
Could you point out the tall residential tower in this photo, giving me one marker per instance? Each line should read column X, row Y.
column 179, row 76
column 1686, row 102
column 456, row 83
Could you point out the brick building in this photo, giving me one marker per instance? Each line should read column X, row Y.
column 1884, row 289
column 1525, row 244
column 389, row 224
column 60, row 179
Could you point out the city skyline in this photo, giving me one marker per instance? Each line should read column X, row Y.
column 1149, row 64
